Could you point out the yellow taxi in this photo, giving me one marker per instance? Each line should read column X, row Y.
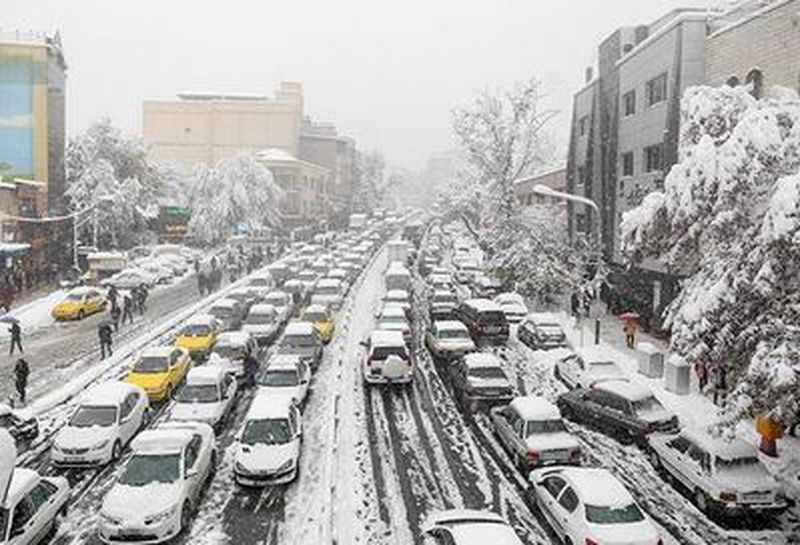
column 322, row 318
column 159, row 370
column 199, row 335
column 79, row 303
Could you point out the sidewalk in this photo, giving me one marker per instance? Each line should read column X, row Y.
column 33, row 312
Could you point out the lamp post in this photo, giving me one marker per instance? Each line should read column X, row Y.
column 546, row 191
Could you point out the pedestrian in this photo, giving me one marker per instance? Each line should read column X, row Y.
column 16, row 338
column 127, row 309
column 115, row 313
column 250, row 364
column 720, row 382
column 141, row 299
column 629, row 328
column 201, row 283
column 701, row 368
column 21, row 372
column 575, row 304
column 112, row 295
column 104, row 333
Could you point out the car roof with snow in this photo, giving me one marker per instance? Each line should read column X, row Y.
column 470, row 527
column 297, row 327
column 382, row 337
column 596, row 353
column 112, row 392
column 276, row 294
column 201, row 319
column 206, row 374
column 543, row 318
column 22, row 480
column 269, row 405
column 395, row 267
column 535, row 408
column 625, row 388
column 393, row 310
column 509, row 297
column 225, row 303
column 236, row 338
column 449, row 325
column 329, row 283
column 283, row 361
column 263, row 308
column 719, row 446
column 158, row 351
column 595, row 486
column 476, row 360
column 483, row 305
column 397, row 294
column 83, row 290
column 316, row 308
column 161, row 440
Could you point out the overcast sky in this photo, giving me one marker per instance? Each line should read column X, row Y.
column 386, row 72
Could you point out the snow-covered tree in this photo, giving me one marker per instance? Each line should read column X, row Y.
column 368, row 182
column 729, row 219
column 175, row 186
column 236, row 193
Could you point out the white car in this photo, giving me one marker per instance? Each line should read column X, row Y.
column 130, row 279
column 31, row 507
column 285, row 375
column 261, row 279
column 268, row 445
column 339, row 274
column 393, row 318
column 160, row 486
column 262, row 323
column 282, row 302
column 207, row 395
column 448, row 340
column 160, row 273
column 587, row 366
column 175, row 264
column 589, row 505
column 464, row 527
column 723, row 477
column 108, row 416
column 235, row 346
column 329, row 292
column 398, row 298
column 309, row 279
column 513, row 306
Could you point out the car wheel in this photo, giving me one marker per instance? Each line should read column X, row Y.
column 655, row 461
column 116, row 450
column 701, row 500
column 186, row 516
column 81, row 314
column 557, row 372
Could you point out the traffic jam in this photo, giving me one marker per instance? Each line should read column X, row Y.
column 374, row 386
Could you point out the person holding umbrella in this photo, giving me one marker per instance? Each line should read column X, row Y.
column 629, row 328
column 16, row 335
column 21, row 372
column 104, row 332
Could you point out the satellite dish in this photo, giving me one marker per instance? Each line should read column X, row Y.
column 8, row 458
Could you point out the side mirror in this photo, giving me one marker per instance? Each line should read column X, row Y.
column 191, row 473
column 364, row 344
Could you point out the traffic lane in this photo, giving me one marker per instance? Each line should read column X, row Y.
column 58, row 353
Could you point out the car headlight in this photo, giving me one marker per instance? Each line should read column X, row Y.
column 160, row 517
column 110, row 520
column 286, row 466
column 101, row 445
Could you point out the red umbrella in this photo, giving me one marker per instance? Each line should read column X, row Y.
column 629, row 316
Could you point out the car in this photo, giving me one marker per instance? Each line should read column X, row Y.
column 247, row 296
column 174, row 264
column 159, row 370
column 198, row 335
column 160, row 485
column 399, row 298
column 262, row 323
column 485, row 321
column 448, row 340
column 467, row 271
column 267, row 450
column 159, row 272
column 587, row 366
column 261, row 279
column 443, row 304
column 302, row 339
column 79, row 303
column 541, row 331
column 344, row 275
column 285, row 375
column 130, row 279
column 486, row 287
column 625, row 410
column 440, row 282
column 466, row 527
column 282, row 302
column 279, row 271
column 22, row 427
column 393, row 318
column 207, row 395
column 397, row 277
column 235, row 347
column 723, row 477
column 328, row 291
column 590, row 506
column 322, row 318
column 513, row 306
column 309, row 279
column 532, row 432
column 387, row 359
column 479, row 382
column 229, row 312
column 296, row 289
column 31, row 507
column 108, row 416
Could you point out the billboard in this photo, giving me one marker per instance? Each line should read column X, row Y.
column 16, row 114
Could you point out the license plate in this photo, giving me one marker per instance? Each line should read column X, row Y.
column 554, row 454
column 756, row 497
column 492, row 329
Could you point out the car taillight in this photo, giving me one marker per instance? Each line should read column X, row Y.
column 533, row 456
column 575, row 454
column 660, row 541
column 590, row 541
column 727, row 496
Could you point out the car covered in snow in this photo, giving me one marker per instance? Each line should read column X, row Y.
column 21, row 427
column 388, row 359
column 541, row 331
column 394, row 318
column 532, row 432
column 443, row 303
column 479, row 382
column 235, row 347
column 625, row 410
column 159, row 370
column 229, row 312
column 207, row 395
column 486, row 287
column 198, row 335
column 448, row 340
column 160, row 273
column 247, row 296
column 263, row 323
column 282, row 302
column 587, row 366
column 79, row 303
column 267, row 450
column 513, row 306
column 322, row 318
column 261, row 279
column 159, row 487
column 108, row 416
column 485, row 321
column 32, row 506
column 466, row 527
column 590, row 506
column 285, row 375
column 723, row 477
column 131, row 278
column 302, row 339
column 397, row 277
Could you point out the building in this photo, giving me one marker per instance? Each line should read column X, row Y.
column 307, row 186
column 756, row 43
column 554, row 178
column 320, row 144
column 624, row 137
column 32, row 113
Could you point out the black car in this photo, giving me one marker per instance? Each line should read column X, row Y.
column 485, row 320
column 479, row 382
column 22, row 429
column 541, row 332
column 621, row 409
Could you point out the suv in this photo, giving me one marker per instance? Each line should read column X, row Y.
column 541, row 332
column 448, row 340
column 485, row 321
column 388, row 359
column 479, row 382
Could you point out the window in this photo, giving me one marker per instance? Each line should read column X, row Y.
column 700, row 456
column 41, row 494
column 627, row 163
column 554, row 485
column 756, row 80
column 192, row 451
column 653, row 158
column 581, row 175
column 681, row 444
column 657, row 90
column 568, row 500
column 23, row 512
column 629, row 103
column 583, row 125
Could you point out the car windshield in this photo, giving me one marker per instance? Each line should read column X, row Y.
column 75, row 297
column 601, row 514
column 444, row 298
column 229, row 351
column 492, row 317
column 150, row 364
column 260, row 282
column 260, row 319
column 327, row 290
column 142, row 470
column 196, row 330
column 453, row 334
column 276, row 300
column 487, row 372
column 87, row 416
column 314, row 317
column 279, row 378
column 736, row 463
column 648, row 405
column 297, row 340
column 383, row 352
column 601, row 365
column 198, row 393
column 397, row 298
column 268, row 431
column 222, row 312
column 536, row 427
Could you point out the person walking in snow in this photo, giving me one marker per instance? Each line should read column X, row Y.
column 701, row 368
column 104, row 333
column 16, row 338
column 629, row 328
column 127, row 309
column 115, row 314
column 575, row 304
column 112, row 296
column 720, row 382
column 21, row 372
